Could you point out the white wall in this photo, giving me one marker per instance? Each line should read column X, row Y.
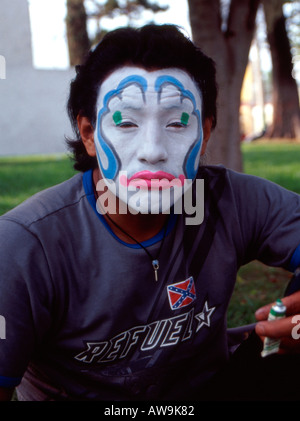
column 33, row 117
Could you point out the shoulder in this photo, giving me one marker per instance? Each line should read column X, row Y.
column 212, row 172
column 246, row 194
column 238, row 182
column 47, row 202
column 221, row 182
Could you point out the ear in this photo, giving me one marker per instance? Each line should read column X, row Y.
column 206, row 134
column 87, row 134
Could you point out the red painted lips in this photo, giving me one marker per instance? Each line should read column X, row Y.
column 148, row 179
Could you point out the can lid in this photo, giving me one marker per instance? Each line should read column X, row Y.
column 278, row 308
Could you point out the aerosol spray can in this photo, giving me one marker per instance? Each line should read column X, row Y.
column 271, row 346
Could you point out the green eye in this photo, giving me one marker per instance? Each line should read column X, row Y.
column 117, row 117
column 184, row 118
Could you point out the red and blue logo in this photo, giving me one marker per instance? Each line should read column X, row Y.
column 182, row 293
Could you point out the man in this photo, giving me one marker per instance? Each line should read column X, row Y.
column 109, row 288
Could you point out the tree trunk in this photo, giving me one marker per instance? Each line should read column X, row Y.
column 78, row 40
column 286, row 112
column 229, row 48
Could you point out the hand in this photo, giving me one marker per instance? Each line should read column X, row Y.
column 287, row 328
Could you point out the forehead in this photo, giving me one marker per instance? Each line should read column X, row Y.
column 114, row 81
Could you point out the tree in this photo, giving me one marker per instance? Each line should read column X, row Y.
column 78, row 40
column 77, row 17
column 286, row 111
column 224, row 31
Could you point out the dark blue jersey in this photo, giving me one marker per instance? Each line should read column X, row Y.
column 85, row 318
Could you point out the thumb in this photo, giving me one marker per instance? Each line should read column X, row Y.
column 263, row 312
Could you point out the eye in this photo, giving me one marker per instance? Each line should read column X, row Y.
column 119, row 122
column 127, row 125
column 176, row 125
column 184, row 119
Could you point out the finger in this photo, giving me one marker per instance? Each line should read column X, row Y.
column 263, row 312
column 292, row 303
column 275, row 328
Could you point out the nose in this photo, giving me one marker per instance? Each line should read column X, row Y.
column 152, row 148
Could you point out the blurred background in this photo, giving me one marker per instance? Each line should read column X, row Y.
column 255, row 45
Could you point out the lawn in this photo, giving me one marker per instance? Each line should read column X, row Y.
column 278, row 162
column 21, row 177
column 256, row 284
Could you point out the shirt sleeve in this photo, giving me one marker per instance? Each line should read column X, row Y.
column 25, row 300
column 269, row 217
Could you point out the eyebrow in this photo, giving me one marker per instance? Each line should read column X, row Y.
column 126, row 106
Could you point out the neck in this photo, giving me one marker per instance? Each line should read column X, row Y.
column 141, row 227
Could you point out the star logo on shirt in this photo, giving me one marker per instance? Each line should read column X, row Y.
column 203, row 318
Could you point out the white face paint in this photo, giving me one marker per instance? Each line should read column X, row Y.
column 148, row 128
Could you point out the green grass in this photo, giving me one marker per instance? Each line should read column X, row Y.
column 278, row 162
column 21, row 177
column 256, row 284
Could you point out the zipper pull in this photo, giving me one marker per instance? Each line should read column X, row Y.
column 155, row 264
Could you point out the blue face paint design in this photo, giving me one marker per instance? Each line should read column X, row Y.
column 112, row 157
column 189, row 167
column 190, row 164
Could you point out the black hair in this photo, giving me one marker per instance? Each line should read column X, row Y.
column 150, row 47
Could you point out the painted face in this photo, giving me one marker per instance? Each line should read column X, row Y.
column 148, row 128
